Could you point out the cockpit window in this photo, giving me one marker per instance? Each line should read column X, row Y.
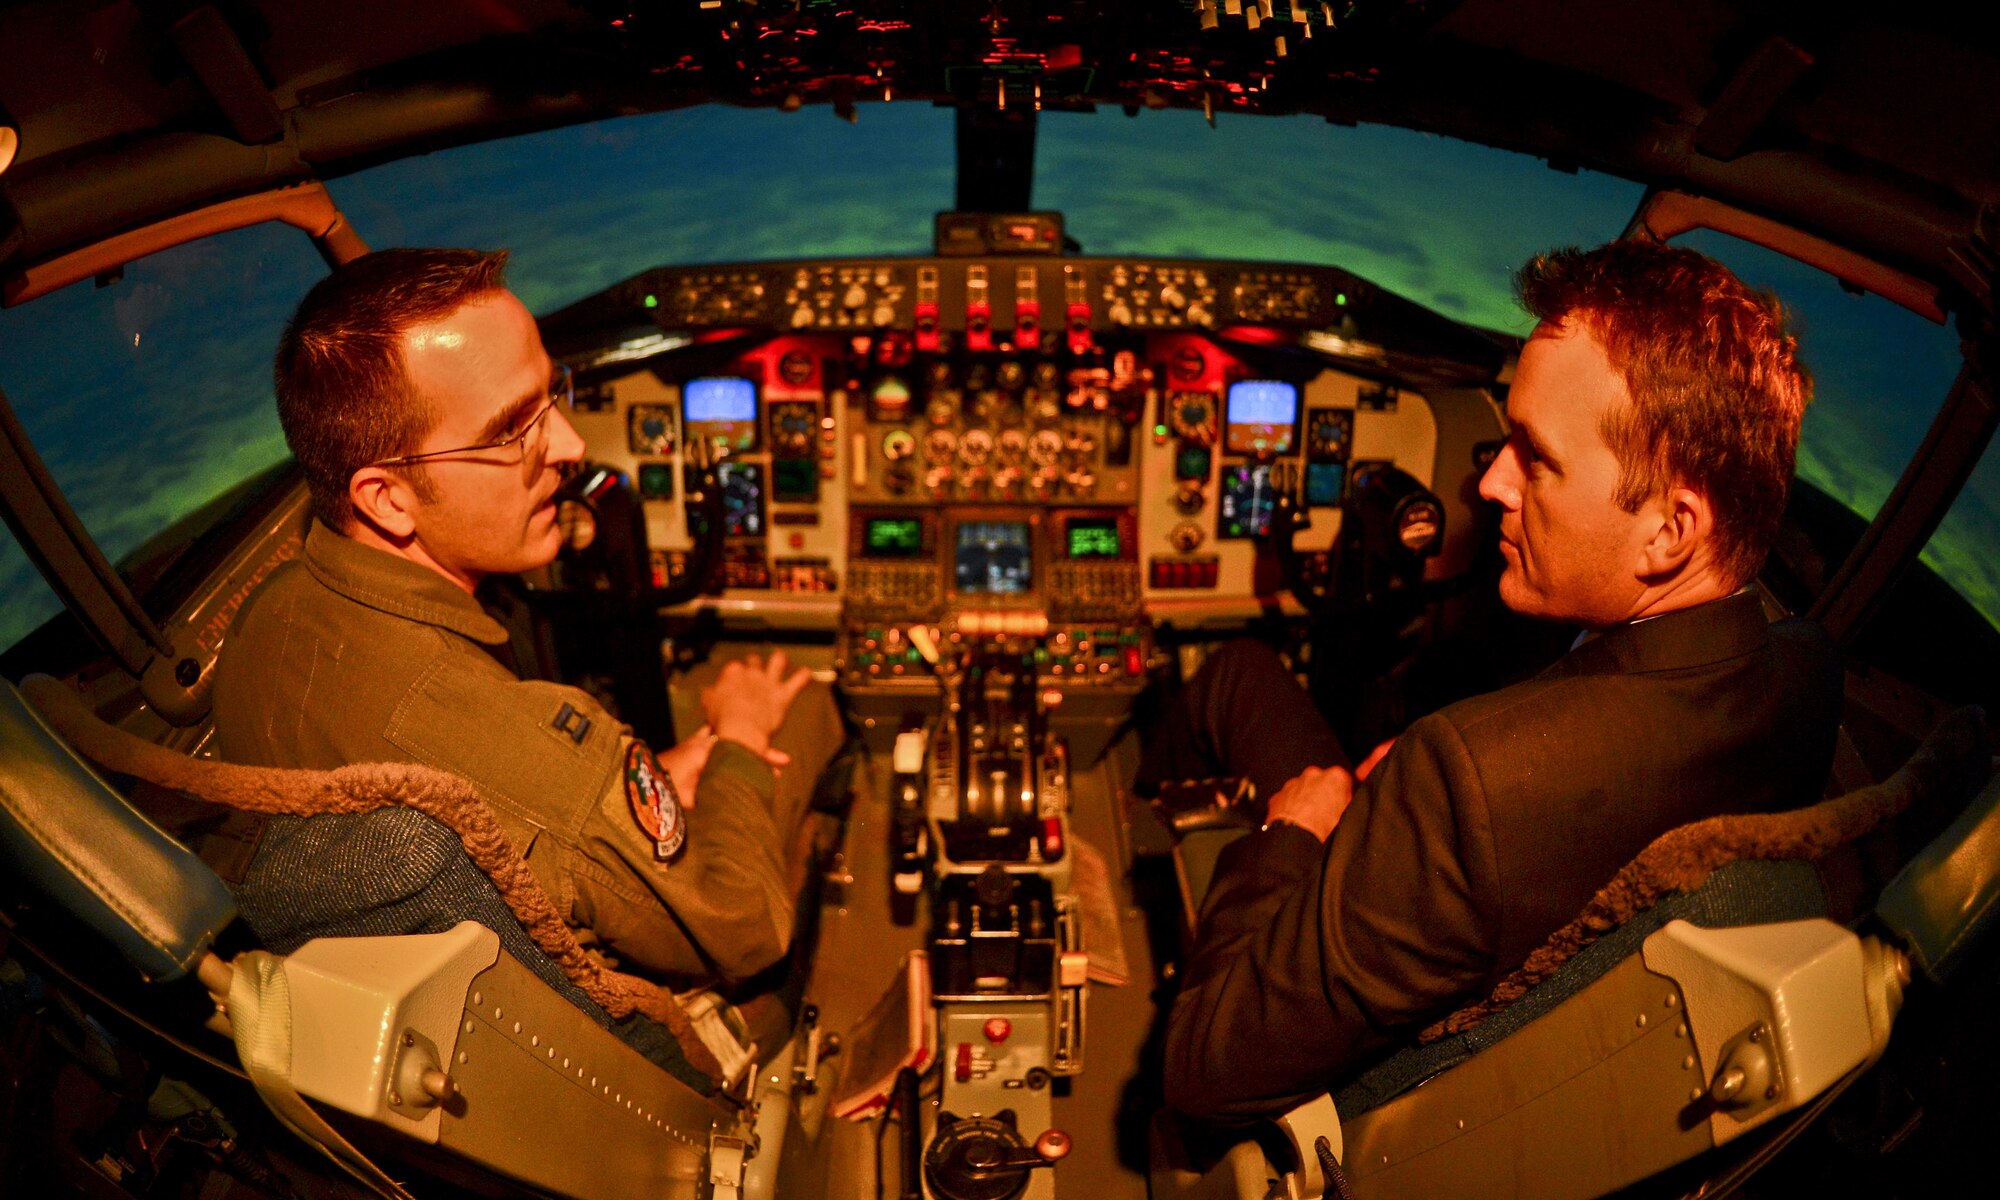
column 1880, row 374
column 585, row 207
column 149, row 396
column 1441, row 222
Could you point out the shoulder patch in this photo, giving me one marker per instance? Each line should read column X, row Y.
column 655, row 805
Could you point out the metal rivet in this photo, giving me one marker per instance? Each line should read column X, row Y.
column 395, row 1099
column 409, row 1039
column 1687, row 1064
column 1673, row 1001
column 517, row 1027
column 536, row 1040
column 1642, row 1020
column 1697, row 1093
column 468, row 1026
column 1461, row 1122
column 461, row 1058
column 497, row 1014
column 1681, row 1030
column 477, row 999
column 565, row 1064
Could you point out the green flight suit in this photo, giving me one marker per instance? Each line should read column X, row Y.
column 350, row 654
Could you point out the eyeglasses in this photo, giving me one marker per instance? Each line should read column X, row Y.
column 562, row 394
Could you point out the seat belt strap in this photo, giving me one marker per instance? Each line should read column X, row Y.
column 260, row 1020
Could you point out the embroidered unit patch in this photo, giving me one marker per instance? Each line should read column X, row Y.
column 655, row 806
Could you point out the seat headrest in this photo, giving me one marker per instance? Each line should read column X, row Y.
column 79, row 845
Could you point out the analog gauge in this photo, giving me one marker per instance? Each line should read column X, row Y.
column 943, row 408
column 1045, row 447
column 577, row 523
column 1190, row 365
column 898, row 445
column 795, row 368
column 1192, row 416
column 940, row 445
column 649, row 429
column 975, row 447
column 889, row 400
column 1013, row 445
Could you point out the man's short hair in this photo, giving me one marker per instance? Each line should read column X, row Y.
column 1717, row 387
column 344, row 393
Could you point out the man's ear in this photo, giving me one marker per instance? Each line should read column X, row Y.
column 384, row 500
column 1687, row 522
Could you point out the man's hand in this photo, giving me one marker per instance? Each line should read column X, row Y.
column 1314, row 800
column 748, row 701
column 684, row 762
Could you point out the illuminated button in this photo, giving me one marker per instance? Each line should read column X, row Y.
column 1134, row 662
column 996, row 1029
column 1052, row 838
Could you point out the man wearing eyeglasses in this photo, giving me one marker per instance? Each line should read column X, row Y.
column 433, row 431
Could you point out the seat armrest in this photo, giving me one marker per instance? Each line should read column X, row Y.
column 1945, row 899
column 74, row 841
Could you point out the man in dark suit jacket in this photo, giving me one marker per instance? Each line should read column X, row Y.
column 1654, row 417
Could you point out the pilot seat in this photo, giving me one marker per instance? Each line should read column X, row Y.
column 1703, row 1002
column 477, row 1041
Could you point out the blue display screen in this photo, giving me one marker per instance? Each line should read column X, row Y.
column 1260, row 417
column 719, row 399
column 1263, row 402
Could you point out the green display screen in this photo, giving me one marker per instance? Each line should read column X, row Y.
column 894, row 537
column 1095, row 538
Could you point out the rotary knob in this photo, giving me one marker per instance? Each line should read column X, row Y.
column 1186, row 537
column 940, row 444
column 1013, row 444
column 898, row 444
column 1189, row 498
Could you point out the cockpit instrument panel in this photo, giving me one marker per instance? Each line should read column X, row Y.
column 1014, row 447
